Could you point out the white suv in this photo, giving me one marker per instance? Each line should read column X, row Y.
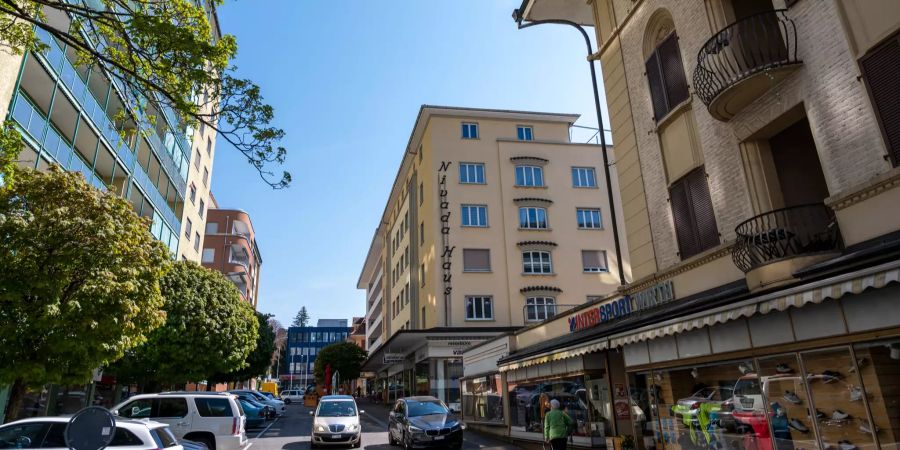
column 215, row 419
column 49, row 433
column 292, row 395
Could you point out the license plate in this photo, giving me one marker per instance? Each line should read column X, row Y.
column 438, row 438
column 335, row 436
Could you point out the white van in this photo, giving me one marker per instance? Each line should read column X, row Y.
column 289, row 396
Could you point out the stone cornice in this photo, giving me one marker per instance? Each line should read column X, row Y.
column 690, row 264
column 865, row 191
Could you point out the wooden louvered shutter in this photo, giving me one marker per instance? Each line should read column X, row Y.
column 672, row 71
column 880, row 72
column 657, row 89
column 688, row 244
column 704, row 217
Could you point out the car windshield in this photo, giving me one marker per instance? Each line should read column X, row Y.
column 336, row 409
column 425, row 408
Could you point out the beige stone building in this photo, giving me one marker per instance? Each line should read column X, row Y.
column 757, row 153
column 496, row 220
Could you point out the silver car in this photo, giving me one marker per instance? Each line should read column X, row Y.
column 336, row 422
column 276, row 404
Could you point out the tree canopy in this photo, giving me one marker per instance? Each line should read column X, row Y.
column 301, row 319
column 208, row 330
column 259, row 360
column 164, row 54
column 79, row 279
column 344, row 357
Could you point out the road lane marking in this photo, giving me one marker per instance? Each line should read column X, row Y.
column 267, row 428
column 377, row 421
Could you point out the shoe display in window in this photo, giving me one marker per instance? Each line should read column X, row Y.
column 839, row 415
column 865, row 427
column 847, row 445
column 783, row 368
column 859, row 363
column 746, row 368
column 856, row 393
column 798, row 425
column 792, row 397
column 820, row 415
column 830, row 376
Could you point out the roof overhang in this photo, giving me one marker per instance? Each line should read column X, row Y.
column 577, row 11
column 408, row 341
column 372, row 259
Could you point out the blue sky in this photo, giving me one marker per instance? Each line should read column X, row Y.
column 346, row 79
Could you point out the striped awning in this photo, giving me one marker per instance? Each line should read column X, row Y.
column 557, row 355
column 706, row 320
column 833, row 290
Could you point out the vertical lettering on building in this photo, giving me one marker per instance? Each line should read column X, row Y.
column 447, row 253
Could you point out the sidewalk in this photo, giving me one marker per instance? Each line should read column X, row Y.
column 483, row 441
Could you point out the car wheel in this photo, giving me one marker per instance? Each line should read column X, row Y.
column 406, row 443
column 391, row 438
column 209, row 442
column 287, row 401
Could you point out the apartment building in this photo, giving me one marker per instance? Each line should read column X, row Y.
column 496, row 221
column 230, row 247
column 757, row 155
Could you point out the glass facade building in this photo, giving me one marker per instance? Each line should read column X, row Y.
column 304, row 344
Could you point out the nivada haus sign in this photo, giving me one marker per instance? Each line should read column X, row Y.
column 646, row 299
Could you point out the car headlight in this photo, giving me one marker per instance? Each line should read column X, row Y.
column 415, row 430
column 321, row 428
column 353, row 427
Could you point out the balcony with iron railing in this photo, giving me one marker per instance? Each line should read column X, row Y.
column 744, row 60
column 770, row 247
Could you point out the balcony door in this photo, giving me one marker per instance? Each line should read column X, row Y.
column 800, row 177
column 757, row 36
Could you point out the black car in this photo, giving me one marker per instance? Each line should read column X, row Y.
column 420, row 422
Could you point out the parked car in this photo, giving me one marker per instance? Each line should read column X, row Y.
column 193, row 445
column 292, row 395
column 269, row 411
column 336, row 422
column 214, row 419
column 256, row 412
column 424, row 422
column 49, row 433
column 276, row 404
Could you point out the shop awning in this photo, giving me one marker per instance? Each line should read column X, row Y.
column 817, row 292
column 406, row 342
column 557, row 355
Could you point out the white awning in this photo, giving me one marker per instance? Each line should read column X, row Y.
column 835, row 290
column 556, row 355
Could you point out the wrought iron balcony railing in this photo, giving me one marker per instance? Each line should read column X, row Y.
column 753, row 45
column 786, row 233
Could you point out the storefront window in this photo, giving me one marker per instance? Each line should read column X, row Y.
column 445, row 385
column 483, row 399
column 878, row 364
column 422, row 379
column 644, row 414
column 34, row 402
column 530, row 401
column 781, row 381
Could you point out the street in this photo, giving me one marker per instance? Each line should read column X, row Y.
column 291, row 432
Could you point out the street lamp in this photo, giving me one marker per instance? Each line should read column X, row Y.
column 518, row 17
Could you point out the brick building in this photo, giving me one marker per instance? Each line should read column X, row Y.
column 230, row 247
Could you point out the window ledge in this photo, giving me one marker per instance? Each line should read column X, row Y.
column 552, row 274
column 674, row 112
column 591, row 229
column 601, row 272
column 535, row 229
column 530, row 187
column 480, row 320
column 585, row 187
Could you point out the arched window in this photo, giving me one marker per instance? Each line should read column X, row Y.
column 664, row 69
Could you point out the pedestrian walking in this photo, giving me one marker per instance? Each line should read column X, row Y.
column 556, row 426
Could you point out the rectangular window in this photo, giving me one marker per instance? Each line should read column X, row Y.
column 692, row 213
column 469, row 130
column 533, row 218
column 197, row 160
column 202, row 129
column 537, row 262
column 421, row 193
column 524, row 133
column 212, row 228
column 584, row 177
column 209, row 255
column 213, row 407
column 479, row 308
column 421, row 233
column 665, row 74
column 471, row 173
column 422, row 275
column 529, row 176
column 209, row 146
column 202, row 208
column 193, row 193
column 594, row 261
column 476, row 260
column 205, row 176
column 474, row 216
column 188, row 227
column 197, row 241
column 879, row 68
column 589, row 218
column 539, row 308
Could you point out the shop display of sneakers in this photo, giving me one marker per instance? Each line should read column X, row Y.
column 792, row 397
column 865, row 427
column 830, row 376
column 856, row 393
column 847, row 445
column 839, row 415
column 783, row 368
column 798, row 425
column 859, row 363
column 746, row 368
column 820, row 415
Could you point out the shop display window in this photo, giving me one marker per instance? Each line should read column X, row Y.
column 878, row 365
column 483, row 399
column 644, row 412
column 529, row 402
column 787, row 402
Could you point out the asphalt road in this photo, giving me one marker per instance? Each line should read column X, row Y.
column 291, row 432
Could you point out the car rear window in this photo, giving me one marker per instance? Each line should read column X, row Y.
column 213, row 407
column 164, row 437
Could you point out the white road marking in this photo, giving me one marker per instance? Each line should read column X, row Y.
column 267, row 428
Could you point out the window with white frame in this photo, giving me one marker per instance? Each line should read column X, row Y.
column 209, row 254
column 530, row 176
column 584, row 177
column 474, row 216
column 539, row 308
column 594, row 261
column 479, row 308
column 589, row 218
column 469, row 130
column 533, row 218
column 471, row 173
column 537, row 262
column 525, row 133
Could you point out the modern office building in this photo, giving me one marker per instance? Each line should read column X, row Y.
column 304, row 343
column 230, row 247
column 495, row 221
column 759, row 161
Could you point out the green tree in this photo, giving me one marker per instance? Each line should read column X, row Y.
column 344, row 357
column 301, row 319
column 79, row 279
column 259, row 360
column 208, row 330
column 165, row 54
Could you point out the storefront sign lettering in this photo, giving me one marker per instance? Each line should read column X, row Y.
column 646, row 299
column 393, row 358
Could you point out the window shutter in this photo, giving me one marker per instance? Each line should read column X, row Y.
column 672, row 71
column 478, row 260
column 593, row 258
column 688, row 243
column 880, row 72
column 701, row 203
column 657, row 91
